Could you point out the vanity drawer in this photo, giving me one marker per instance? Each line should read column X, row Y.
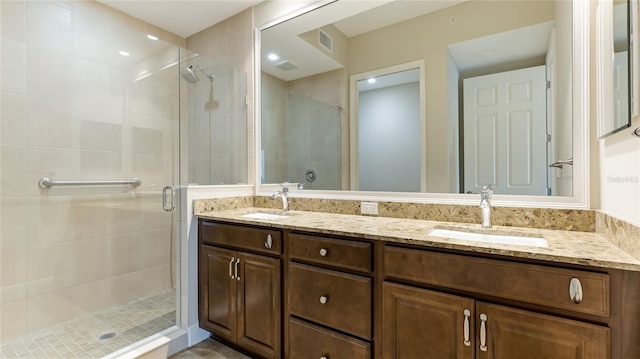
column 343, row 254
column 338, row 300
column 309, row 341
column 241, row 237
column 528, row 283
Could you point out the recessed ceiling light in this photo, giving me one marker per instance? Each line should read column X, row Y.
column 273, row 57
column 371, row 80
column 124, row 53
column 151, row 37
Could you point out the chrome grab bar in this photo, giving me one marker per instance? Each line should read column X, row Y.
column 46, row 182
column 558, row 164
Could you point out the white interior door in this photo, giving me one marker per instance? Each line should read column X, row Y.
column 505, row 132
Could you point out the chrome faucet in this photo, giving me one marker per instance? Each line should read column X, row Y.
column 485, row 205
column 284, row 193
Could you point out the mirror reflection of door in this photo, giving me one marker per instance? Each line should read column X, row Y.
column 389, row 130
column 505, row 142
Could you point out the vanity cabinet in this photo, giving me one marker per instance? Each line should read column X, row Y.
column 239, row 286
column 431, row 323
column 329, row 297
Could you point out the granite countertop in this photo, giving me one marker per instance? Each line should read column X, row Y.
column 582, row 248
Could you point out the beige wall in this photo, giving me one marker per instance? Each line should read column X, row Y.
column 366, row 53
column 68, row 113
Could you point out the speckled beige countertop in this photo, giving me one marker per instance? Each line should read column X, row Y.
column 582, row 248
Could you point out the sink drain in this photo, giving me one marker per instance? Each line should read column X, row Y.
column 106, row 336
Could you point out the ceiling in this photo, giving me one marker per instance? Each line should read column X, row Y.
column 181, row 17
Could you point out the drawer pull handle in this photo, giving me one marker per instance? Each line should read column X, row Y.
column 269, row 243
column 324, row 357
column 237, row 262
column 323, row 299
column 323, row 252
column 230, row 269
column 467, row 315
column 483, row 332
column 575, row 290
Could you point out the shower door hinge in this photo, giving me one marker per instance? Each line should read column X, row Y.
column 548, row 84
column 548, row 191
column 548, row 138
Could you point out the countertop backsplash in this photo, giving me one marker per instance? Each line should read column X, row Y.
column 624, row 235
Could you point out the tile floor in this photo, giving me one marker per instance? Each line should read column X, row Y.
column 210, row 349
column 78, row 338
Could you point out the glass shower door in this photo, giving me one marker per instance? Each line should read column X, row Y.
column 88, row 266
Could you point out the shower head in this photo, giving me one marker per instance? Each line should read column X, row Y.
column 189, row 74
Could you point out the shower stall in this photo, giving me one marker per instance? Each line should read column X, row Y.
column 95, row 150
column 301, row 140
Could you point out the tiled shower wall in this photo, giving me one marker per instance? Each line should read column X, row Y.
column 294, row 113
column 69, row 114
column 226, row 143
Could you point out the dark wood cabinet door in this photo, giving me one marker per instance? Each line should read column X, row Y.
column 419, row 323
column 517, row 334
column 259, row 309
column 217, row 292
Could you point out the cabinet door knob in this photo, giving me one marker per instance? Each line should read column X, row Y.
column 575, row 290
column 237, row 262
column 230, row 269
column 269, row 242
column 466, row 334
column 323, row 252
column 323, row 299
column 324, row 357
column 483, row 332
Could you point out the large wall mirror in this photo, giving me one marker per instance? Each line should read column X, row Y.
column 433, row 96
column 617, row 87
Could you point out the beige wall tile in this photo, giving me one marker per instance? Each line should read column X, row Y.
column 42, row 81
column 90, row 298
column 13, row 72
column 156, row 248
column 14, row 320
column 126, row 288
column 49, row 268
column 156, row 279
column 126, row 253
column 91, row 217
column 49, row 26
column 13, row 217
column 126, row 217
column 13, row 114
column 14, row 20
column 200, row 43
column 50, row 220
column 64, row 163
column 49, row 123
column 91, row 260
column 46, row 310
column 13, row 268
column 13, row 294
column 13, row 158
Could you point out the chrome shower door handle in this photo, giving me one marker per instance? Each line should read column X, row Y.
column 168, row 190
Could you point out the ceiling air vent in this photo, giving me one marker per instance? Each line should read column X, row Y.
column 325, row 40
column 286, row 66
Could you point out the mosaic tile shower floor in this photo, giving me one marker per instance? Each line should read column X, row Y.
column 78, row 338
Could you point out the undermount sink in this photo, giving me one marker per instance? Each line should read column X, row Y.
column 262, row 215
column 489, row 238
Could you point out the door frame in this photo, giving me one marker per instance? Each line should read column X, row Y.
column 354, row 177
